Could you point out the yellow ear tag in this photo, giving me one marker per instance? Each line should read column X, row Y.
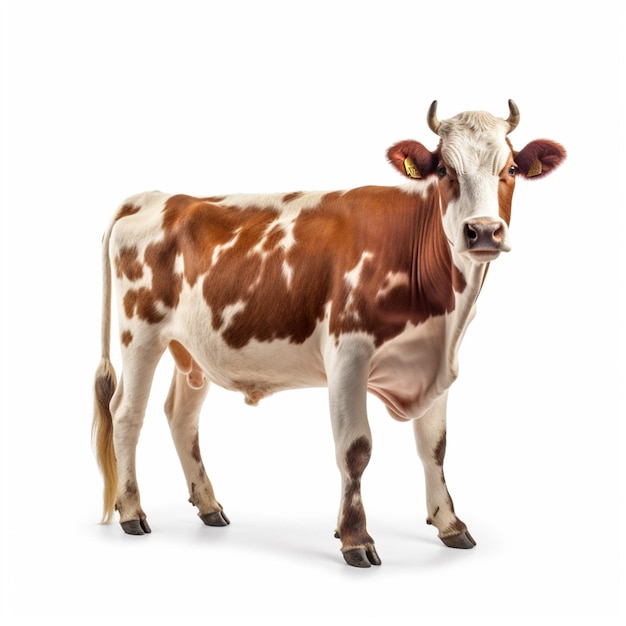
column 411, row 168
column 535, row 168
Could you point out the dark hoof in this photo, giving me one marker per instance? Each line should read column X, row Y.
column 136, row 527
column 358, row 557
column 464, row 541
column 218, row 518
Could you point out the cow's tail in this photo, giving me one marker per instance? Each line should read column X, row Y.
column 105, row 383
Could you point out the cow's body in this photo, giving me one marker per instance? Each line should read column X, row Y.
column 363, row 290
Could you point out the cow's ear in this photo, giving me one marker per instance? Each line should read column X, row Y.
column 539, row 157
column 412, row 159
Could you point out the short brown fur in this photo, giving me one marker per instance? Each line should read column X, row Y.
column 353, row 531
column 330, row 241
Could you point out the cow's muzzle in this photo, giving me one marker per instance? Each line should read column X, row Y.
column 485, row 238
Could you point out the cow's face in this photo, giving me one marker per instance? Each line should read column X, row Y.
column 475, row 167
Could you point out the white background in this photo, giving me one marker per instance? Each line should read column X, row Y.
column 104, row 99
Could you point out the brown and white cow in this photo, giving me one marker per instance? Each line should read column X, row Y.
column 370, row 289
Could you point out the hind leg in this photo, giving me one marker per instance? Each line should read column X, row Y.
column 128, row 407
column 182, row 408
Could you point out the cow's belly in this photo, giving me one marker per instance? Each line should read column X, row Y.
column 257, row 369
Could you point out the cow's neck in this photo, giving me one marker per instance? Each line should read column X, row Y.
column 465, row 307
column 434, row 277
column 442, row 281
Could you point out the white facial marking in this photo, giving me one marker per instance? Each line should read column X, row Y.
column 474, row 145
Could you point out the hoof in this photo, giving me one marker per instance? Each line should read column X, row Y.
column 136, row 527
column 218, row 518
column 463, row 541
column 358, row 557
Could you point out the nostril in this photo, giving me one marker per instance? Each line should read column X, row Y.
column 497, row 234
column 470, row 232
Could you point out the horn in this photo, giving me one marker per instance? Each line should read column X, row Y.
column 513, row 119
column 433, row 122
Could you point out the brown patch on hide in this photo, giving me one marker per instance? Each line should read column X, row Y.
column 237, row 253
column 290, row 197
column 358, row 456
column 141, row 302
column 440, row 450
column 127, row 264
column 126, row 210
column 352, row 529
column 195, row 449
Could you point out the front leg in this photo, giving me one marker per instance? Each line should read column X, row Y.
column 347, row 385
column 430, row 437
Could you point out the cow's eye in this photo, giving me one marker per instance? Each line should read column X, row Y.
column 512, row 170
column 442, row 171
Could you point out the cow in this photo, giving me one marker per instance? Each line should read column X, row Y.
column 365, row 290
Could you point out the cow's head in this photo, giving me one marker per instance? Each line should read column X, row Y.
column 476, row 168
